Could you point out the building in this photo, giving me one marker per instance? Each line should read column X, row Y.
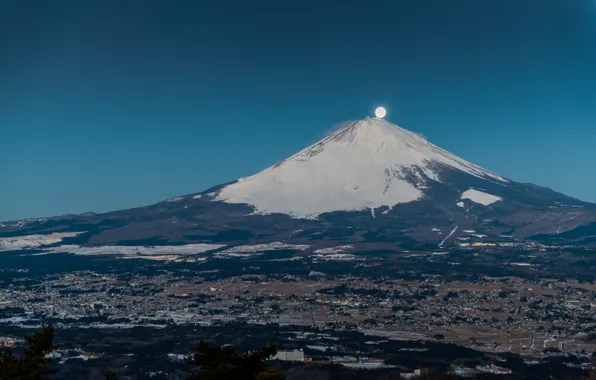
column 291, row 356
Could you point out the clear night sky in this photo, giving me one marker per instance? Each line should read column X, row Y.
column 114, row 104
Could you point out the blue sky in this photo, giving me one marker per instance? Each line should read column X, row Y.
column 114, row 104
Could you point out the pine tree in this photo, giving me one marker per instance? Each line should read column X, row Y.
column 224, row 363
column 31, row 365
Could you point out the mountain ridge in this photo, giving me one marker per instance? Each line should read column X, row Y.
column 370, row 181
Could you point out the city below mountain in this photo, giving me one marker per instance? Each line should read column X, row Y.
column 371, row 183
column 372, row 254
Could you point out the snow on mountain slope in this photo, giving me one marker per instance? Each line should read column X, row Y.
column 33, row 241
column 188, row 249
column 480, row 197
column 369, row 164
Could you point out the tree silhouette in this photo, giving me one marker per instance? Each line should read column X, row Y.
column 224, row 363
column 213, row 362
column 32, row 362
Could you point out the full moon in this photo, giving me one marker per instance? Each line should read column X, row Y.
column 380, row 112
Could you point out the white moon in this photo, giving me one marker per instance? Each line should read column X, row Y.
column 380, row 112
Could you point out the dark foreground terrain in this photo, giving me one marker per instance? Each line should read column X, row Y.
column 140, row 353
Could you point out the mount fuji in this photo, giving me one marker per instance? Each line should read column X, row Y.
column 370, row 182
column 370, row 164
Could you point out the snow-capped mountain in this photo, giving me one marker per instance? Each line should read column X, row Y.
column 369, row 164
column 371, row 181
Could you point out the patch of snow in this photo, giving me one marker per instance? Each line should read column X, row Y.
column 461, row 204
column 522, row 264
column 339, row 249
column 153, row 257
column 368, row 164
column 14, row 320
column 177, row 357
column 275, row 246
column 83, row 357
column 337, row 257
column 33, row 241
column 480, row 197
column 177, row 199
column 387, row 211
column 188, row 249
column 197, row 196
column 435, row 230
column 473, row 233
